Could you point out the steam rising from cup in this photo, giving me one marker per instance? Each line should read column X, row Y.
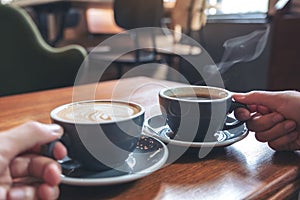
column 241, row 49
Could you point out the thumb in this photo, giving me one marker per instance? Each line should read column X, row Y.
column 25, row 137
column 272, row 100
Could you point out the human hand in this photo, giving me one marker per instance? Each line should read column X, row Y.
column 20, row 158
column 273, row 116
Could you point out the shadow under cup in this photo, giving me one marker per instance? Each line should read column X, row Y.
column 196, row 113
column 101, row 134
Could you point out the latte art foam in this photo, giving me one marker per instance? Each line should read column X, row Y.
column 97, row 112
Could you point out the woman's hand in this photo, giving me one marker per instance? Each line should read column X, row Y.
column 21, row 161
column 273, row 116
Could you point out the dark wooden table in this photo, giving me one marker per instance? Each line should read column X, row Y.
column 247, row 169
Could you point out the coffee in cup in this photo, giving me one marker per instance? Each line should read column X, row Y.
column 100, row 134
column 196, row 113
column 97, row 112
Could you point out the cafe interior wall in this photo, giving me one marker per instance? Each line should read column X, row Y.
column 242, row 76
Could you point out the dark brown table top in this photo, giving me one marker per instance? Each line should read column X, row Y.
column 247, row 169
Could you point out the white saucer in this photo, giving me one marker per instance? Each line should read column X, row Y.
column 149, row 156
column 157, row 127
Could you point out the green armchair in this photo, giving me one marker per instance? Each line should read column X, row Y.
column 27, row 62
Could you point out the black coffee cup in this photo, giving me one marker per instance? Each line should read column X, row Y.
column 100, row 134
column 196, row 113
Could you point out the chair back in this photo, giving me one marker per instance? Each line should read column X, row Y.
column 131, row 14
column 27, row 62
column 135, row 14
column 189, row 14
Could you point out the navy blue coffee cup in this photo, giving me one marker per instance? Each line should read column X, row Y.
column 196, row 113
column 100, row 134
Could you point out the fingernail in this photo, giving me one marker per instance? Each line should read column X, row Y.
column 54, row 168
column 55, row 129
column 17, row 194
column 277, row 118
column 245, row 116
column 290, row 125
column 239, row 97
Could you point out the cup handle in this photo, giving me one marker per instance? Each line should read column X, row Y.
column 235, row 123
column 47, row 149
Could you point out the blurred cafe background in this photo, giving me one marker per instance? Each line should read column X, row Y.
column 270, row 28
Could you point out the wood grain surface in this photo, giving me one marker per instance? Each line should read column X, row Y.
column 247, row 169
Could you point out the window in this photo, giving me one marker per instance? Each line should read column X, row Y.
column 233, row 9
column 223, row 7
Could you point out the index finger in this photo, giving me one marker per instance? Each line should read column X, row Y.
column 24, row 138
column 263, row 98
